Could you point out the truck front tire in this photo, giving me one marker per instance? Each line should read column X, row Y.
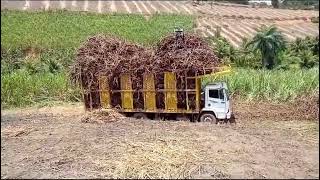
column 208, row 117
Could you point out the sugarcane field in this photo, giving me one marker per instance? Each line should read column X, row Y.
column 193, row 89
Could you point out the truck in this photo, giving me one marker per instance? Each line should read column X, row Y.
column 210, row 103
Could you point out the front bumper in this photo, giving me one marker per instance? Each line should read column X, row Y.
column 229, row 116
column 224, row 115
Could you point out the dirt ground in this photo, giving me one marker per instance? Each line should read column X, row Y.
column 52, row 142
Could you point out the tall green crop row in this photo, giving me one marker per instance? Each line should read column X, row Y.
column 21, row 89
column 275, row 85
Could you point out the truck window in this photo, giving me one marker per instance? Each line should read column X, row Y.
column 221, row 95
column 215, row 93
column 227, row 94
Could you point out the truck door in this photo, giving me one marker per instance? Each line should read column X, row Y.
column 216, row 102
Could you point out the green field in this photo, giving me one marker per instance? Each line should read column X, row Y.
column 63, row 29
column 275, row 85
column 20, row 89
column 55, row 36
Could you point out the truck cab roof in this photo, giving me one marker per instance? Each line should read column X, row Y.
column 217, row 85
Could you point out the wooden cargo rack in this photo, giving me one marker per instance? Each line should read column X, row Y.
column 149, row 92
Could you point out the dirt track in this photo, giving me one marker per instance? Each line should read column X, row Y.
column 53, row 143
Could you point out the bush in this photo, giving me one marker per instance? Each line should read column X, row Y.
column 303, row 53
column 301, row 4
column 52, row 61
column 223, row 49
column 243, row 57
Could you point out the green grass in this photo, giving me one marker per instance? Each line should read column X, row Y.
column 20, row 89
column 63, row 29
column 276, row 85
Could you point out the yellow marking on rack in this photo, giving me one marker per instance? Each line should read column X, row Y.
column 198, row 92
column 126, row 96
column 170, row 93
column 149, row 92
column 104, row 92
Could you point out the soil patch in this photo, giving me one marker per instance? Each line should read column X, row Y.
column 59, row 145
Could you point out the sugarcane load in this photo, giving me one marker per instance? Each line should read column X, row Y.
column 160, row 82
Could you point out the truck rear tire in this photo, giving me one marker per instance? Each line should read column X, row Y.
column 208, row 117
column 140, row 116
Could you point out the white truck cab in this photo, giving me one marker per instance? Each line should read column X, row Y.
column 217, row 104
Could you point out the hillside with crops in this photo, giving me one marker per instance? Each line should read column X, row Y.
column 123, row 89
column 234, row 21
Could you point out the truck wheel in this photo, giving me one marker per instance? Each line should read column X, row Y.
column 232, row 119
column 140, row 116
column 207, row 117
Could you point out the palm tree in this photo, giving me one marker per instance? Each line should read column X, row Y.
column 269, row 41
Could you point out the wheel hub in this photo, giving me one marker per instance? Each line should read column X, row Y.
column 207, row 119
